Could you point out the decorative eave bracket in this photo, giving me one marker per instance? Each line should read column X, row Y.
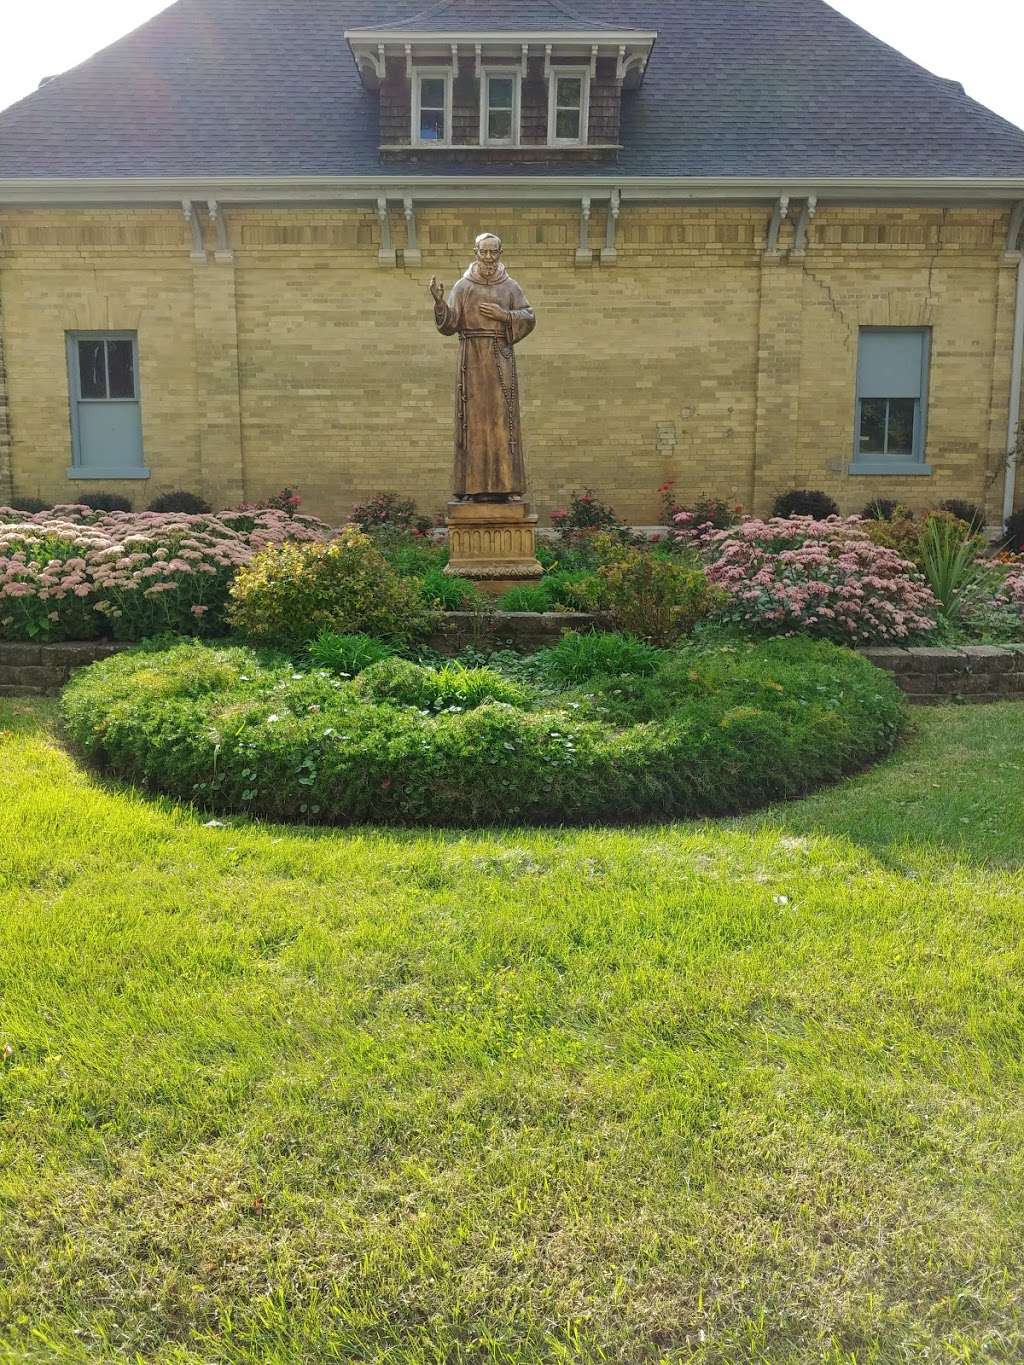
column 630, row 50
column 779, row 215
column 609, row 251
column 803, row 225
column 1015, row 232
column 192, row 219
column 216, row 212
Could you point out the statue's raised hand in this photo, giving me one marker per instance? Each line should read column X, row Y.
column 436, row 289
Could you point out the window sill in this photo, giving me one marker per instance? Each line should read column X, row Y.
column 899, row 468
column 136, row 472
column 394, row 147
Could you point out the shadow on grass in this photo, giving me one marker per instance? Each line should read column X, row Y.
column 954, row 790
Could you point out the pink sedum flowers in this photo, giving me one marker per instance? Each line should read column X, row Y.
column 75, row 574
column 822, row 578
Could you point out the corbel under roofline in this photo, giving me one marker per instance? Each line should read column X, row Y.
column 366, row 190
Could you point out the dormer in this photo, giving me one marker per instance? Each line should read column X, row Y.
column 549, row 88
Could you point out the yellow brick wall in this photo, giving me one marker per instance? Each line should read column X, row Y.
column 693, row 357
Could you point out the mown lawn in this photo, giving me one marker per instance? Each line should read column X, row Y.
column 745, row 1092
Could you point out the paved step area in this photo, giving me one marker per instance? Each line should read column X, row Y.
column 975, row 673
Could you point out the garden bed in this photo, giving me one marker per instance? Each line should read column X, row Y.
column 596, row 730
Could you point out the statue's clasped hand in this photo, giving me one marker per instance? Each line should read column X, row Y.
column 492, row 310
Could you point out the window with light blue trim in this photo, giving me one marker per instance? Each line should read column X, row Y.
column 892, row 400
column 106, row 419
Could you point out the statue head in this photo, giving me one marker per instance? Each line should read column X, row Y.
column 488, row 254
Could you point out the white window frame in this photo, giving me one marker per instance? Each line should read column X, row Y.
column 514, row 74
column 583, row 72
column 431, row 73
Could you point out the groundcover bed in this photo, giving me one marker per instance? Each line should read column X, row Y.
column 690, row 731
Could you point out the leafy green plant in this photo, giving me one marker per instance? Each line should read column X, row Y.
column 652, row 597
column 348, row 654
column 106, row 502
column 883, row 509
column 1014, row 536
column 450, row 593
column 411, row 555
column 389, row 511
column 180, row 501
column 290, row 592
column 560, row 590
column 805, row 502
column 452, row 685
column 967, row 512
column 949, row 561
column 578, row 656
column 712, row 731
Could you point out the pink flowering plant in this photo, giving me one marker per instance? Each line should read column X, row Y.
column 820, row 578
column 74, row 574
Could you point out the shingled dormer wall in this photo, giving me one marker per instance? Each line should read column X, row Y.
column 603, row 125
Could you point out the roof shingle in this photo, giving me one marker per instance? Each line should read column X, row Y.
column 735, row 88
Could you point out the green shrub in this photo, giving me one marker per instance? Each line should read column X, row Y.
column 653, row 597
column 578, row 657
column 105, row 502
column 560, row 590
column 29, row 505
column 884, row 509
column 290, row 592
column 712, row 732
column 1014, row 533
column 805, row 502
column 348, row 654
column 967, row 512
column 411, row 684
column 180, row 501
column 389, row 512
column 449, row 593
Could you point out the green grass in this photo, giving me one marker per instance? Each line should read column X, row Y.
column 736, row 1092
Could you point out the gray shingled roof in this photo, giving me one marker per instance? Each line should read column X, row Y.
column 745, row 88
column 456, row 15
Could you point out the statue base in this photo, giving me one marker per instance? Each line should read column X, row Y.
column 494, row 544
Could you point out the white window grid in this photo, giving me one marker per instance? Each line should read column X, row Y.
column 489, row 73
column 431, row 73
column 582, row 73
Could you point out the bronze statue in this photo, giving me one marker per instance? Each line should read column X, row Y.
column 490, row 313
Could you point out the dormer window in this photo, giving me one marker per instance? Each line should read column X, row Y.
column 431, row 107
column 568, row 106
column 548, row 93
column 499, row 107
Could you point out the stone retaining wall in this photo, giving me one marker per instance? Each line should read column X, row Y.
column 42, row 670
column 969, row 673
column 975, row 673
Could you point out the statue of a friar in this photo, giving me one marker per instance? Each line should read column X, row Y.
column 490, row 313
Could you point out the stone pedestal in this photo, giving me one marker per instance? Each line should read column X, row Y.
column 494, row 544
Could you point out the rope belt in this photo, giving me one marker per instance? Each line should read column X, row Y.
column 494, row 336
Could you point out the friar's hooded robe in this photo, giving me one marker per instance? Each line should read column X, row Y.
column 488, row 435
